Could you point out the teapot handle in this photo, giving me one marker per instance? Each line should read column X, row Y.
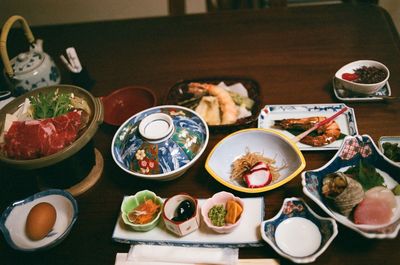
column 3, row 40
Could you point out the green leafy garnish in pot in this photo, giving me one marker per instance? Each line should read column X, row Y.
column 366, row 174
column 50, row 104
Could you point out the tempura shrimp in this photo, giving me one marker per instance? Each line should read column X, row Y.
column 327, row 133
column 229, row 110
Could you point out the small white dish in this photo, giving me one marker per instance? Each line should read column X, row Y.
column 12, row 222
column 297, row 233
column 360, row 87
column 347, row 121
column 345, row 95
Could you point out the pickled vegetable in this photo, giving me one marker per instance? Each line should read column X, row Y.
column 217, row 215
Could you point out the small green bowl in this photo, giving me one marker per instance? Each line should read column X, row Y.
column 131, row 202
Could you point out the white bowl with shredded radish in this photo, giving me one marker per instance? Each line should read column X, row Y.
column 255, row 160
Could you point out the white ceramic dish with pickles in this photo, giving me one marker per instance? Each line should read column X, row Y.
column 361, row 88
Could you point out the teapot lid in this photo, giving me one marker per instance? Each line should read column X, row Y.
column 27, row 62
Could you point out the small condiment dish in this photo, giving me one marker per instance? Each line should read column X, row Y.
column 220, row 198
column 130, row 203
column 181, row 214
column 13, row 220
column 393, row 140
column 297, row 233
column 359, row 87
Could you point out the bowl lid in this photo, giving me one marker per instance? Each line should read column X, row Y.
column 159, row 140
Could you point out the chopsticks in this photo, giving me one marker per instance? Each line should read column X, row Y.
column 319, row 124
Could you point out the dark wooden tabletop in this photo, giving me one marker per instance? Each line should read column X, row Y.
column 292, row 53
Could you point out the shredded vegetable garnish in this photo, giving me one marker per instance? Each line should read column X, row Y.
column 144, row 213
column 244, row 163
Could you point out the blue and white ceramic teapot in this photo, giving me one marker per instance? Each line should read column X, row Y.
column 29, row 70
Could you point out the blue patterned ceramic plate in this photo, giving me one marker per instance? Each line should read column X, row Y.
column 345, row 95
column 12, row 222
column 354, row 149
column 160, row 143
column 285, row 242
column 346, row 122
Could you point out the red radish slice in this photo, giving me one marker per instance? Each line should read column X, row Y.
column 259, row 165
column 258, row 178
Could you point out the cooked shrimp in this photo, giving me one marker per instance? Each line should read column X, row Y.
column 229, row 110
column 327, row 133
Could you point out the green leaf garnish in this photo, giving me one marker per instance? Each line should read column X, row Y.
column 50, row 104
column 366, row 174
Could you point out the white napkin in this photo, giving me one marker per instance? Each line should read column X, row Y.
column 169, row 255
column 5, row 101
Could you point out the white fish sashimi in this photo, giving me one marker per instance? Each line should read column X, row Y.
column 384, row 194
column 376, row 208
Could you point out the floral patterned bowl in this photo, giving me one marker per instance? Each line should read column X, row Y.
column 160, row 143
column 353, row 150
column 297, row 233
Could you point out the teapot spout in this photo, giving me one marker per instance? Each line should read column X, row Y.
column 38, row 45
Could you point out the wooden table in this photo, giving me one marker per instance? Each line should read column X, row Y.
column 292, row 53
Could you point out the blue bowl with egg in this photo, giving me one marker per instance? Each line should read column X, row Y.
column 13, row 221
column 297, row 233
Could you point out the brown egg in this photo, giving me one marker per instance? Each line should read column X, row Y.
column 40, row 220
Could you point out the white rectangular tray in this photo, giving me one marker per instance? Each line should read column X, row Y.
column 347, row 121
column 247, row 234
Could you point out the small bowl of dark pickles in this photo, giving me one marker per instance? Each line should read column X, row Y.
column 181, row 214
column 363, row 77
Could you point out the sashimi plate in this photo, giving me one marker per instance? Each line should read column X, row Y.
column 346, row 122
column 354, row 149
